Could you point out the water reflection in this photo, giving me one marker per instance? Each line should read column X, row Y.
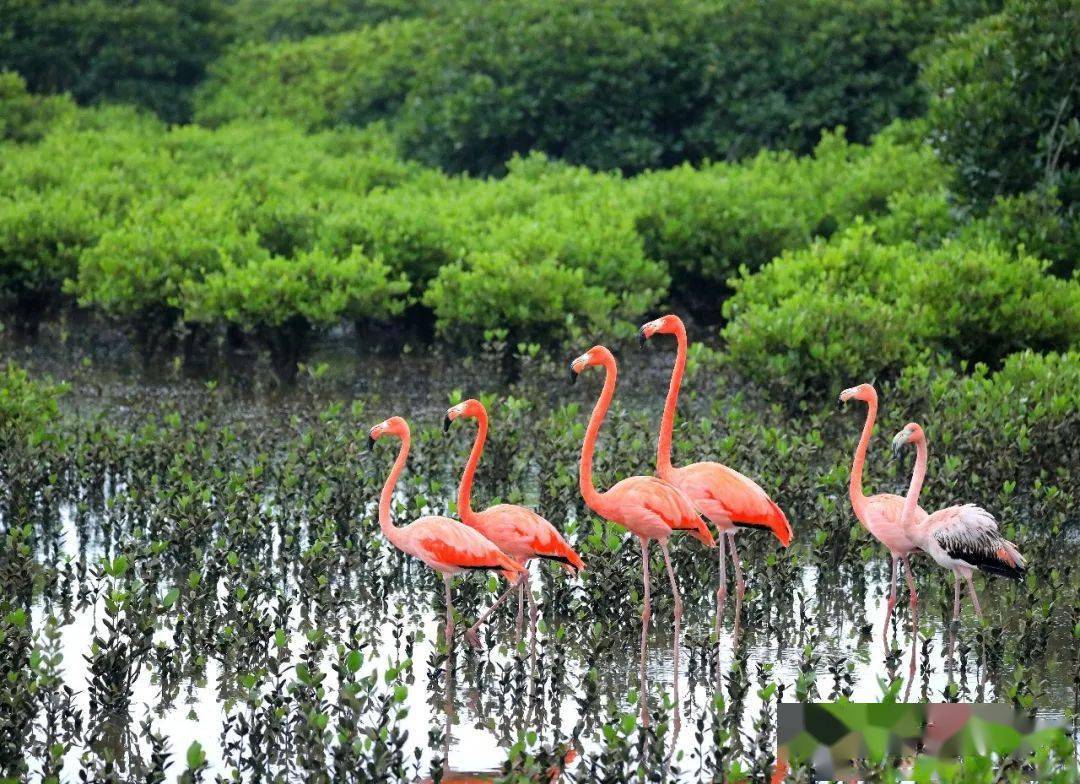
column 817, row 634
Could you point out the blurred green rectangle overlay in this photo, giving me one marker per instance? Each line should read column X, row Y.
column 923, row 742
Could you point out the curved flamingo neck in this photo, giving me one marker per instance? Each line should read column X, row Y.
column 911, row 500
column 667, row 422
column 594, row 499
column 386, row 524
column 855, row 486
column 465, row 487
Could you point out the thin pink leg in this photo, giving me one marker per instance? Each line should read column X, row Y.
column 470, row 635
column 534, row 615
column 449, row 628
column 721, row 592
column 740, row 584
column 891, row 604
column 678, row 623
column 913, row 596
column 974, row 596
column 956, row 597
column 646, row 613
column 521, row 611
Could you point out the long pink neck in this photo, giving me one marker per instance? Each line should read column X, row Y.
column 464, row 498
column 667, row 422
column 855, row 487
column 593, row 499
column 386, row 524
column 907, row 517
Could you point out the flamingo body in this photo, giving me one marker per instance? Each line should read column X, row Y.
column 967, row 537
column 881, row 516
column 959, row 538
column 652, row 508
column 445, row 545
column 730, row 499
column 519, row 532
column 523, row 535
column 451, row 548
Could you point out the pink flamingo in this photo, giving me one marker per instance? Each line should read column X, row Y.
column 445, row 545
column 959, row 538
column 881, row 514
column 726, row 497
column 519, row 532
column 646, row 506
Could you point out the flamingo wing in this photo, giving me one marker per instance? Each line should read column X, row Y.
column 444, row 543
column 970, row 534
column 650, row 502
column 523, row 534
column 725, row 495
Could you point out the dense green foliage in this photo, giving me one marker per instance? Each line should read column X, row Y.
column 1005, row 103
column 706, row 224
column 277, row 20
column 855, row 308
column 606, row 84
column 149, row 52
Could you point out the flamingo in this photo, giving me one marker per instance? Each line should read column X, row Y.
column 726, row 497
column 959, row 538
column 445, row 545
column 519, row 532
column 881, row 514
column 648, row 507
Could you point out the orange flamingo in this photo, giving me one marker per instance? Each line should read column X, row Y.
column 646, row 506
column 445, row 545
column 726, row 497
column 881, row 514
column 519, row 532
column 959, row 538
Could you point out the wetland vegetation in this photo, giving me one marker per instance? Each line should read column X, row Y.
column 236, row 234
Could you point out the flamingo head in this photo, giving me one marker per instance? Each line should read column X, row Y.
column 394, row 426
column 864, row 392
column 665, row 325
column 911, row 434
column 597, row 355
column 471, row 408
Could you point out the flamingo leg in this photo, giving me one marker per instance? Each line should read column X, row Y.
column 646, row 613
column 521, row 611
column 721, row 592
column 534, row 614
column 678, row 620
column 740, row 584
column 956, row 597
column 470, row 635
column 449, row 628
column 913, row 595
column 974, row 596
column 891, row 604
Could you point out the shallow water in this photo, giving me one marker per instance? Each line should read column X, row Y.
column 827, row 621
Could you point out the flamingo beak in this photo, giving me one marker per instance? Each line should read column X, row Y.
column 370, row 442
column 573, row 373
column 641, row 337
column 446, row 424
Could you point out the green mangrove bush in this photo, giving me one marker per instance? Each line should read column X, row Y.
column 609, row 85
column 853, row 307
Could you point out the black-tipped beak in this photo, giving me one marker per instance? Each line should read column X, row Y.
column 641, row 337
column 896, row 451
column 840, row 404
column 573, row 373
column 446, row 424
column 370, row 442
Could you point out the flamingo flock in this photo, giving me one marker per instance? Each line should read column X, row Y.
column 505, row 538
